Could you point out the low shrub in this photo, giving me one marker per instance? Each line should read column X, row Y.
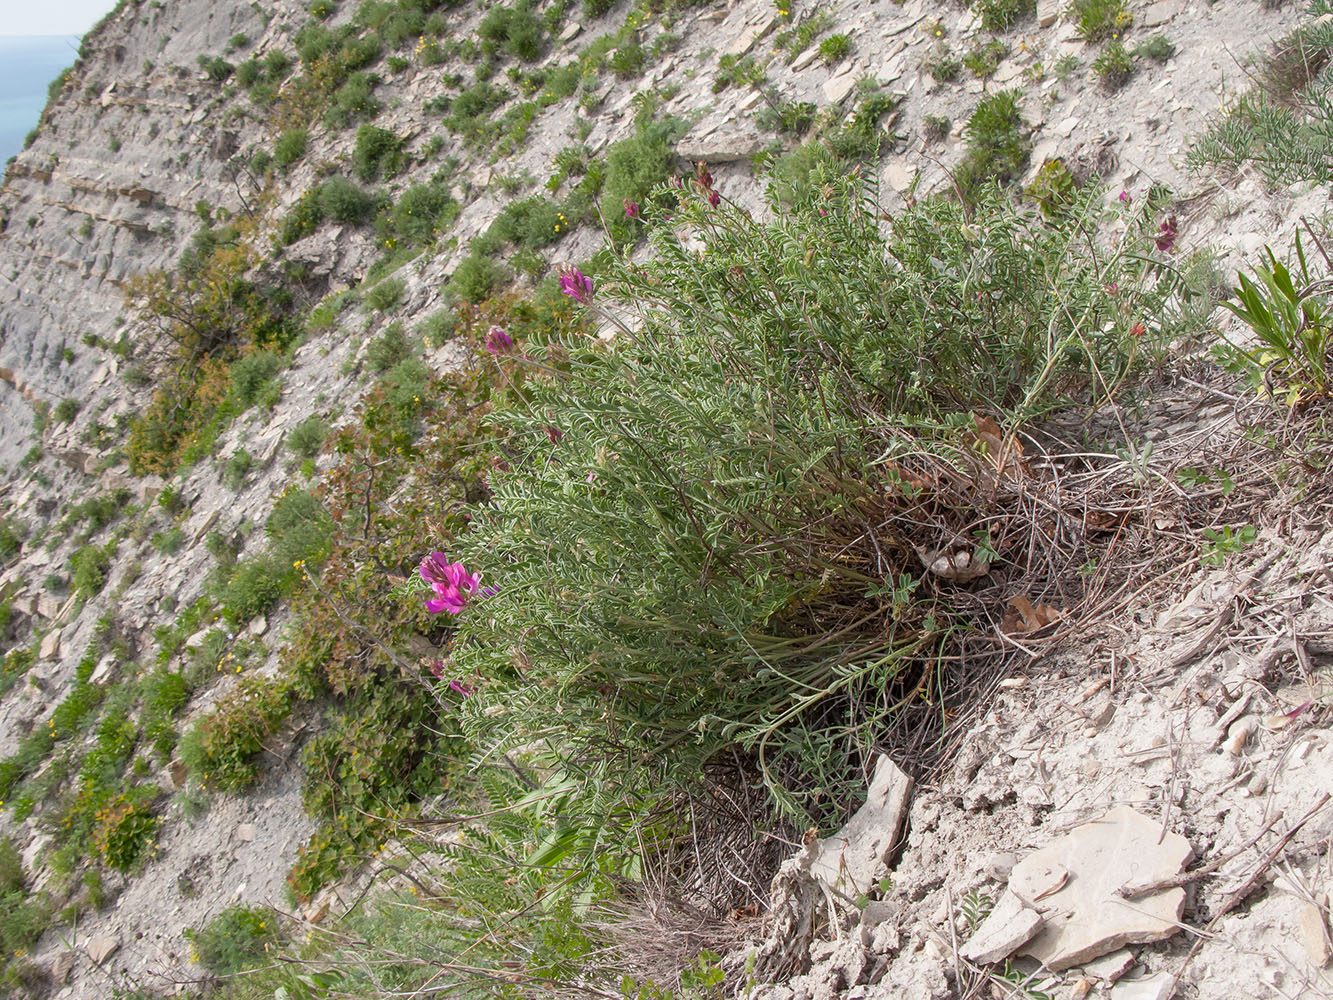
column 90, row 566
column 236, row 939
column 387, row 295
column 377, row 153
column 307, row 438
column 997, row 148
column 290, row 147
column 222, row 749
column 252, row 373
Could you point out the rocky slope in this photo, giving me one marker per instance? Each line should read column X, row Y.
column 141, row 135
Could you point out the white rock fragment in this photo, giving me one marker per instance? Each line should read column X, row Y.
column 1314, row 934
column 854, row 858
column 1239, row 734
column 1158, row 987
column 1110, row 968
column 1009, row 926
column 50, row 647
column 102, row 947
column 1086, row 917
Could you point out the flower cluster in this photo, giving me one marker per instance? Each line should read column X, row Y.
column 499, row 342
column 576, row 285
column 632, row 210
column 453, row 585
column 1166, row 235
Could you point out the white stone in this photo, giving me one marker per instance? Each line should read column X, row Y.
column 1086, row 917
column 245, row 832
column 837, row 88
column 1158, row 987
column 854, row 858
column 1009, row 926
column 571, row 31
column 105, row 671
column 102, row 947
column 899, row 176
column 1048, row 12
column 50, row 647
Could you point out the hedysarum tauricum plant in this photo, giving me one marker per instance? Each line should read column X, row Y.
column 705, row 528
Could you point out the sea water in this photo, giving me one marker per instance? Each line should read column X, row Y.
column 27, row 65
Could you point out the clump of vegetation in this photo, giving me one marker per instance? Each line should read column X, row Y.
column 223, row 749
column 377, row 153
column 1098, row 20
column 1000, row 15
column 237, row 939
column 290, row 147
column 1283, row 124
column 1114, row 66
column 984, row 59
column 997, row 148
column 835, row 48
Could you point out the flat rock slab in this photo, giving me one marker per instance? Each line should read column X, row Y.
column 854, row 858
column 1073, row 883
column 1009, row 926
column 102, row 947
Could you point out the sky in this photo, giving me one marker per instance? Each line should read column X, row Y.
column 51, row 17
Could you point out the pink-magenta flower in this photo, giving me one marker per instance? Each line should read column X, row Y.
column 460, row 688
column 705, row 175
column 453, row 584
column 714, row 198
column 1126, row 197
column 555, row 434
column 499, row 342
column 576, row 285
column 1166, row 235
column 632, row 210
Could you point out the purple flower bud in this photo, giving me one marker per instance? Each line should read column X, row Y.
column 714, row 198
column 1126, row 197
column 499, row 342
column 554, row 433
column 632, row 210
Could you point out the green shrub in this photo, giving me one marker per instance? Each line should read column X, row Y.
column 290, row 147
column 515, row 29
column 90, row 566
column 251, row 373
column 165, row 695
column 215, row 68
column 248, row 73
column 476, row 278
column 11, row 542
column 353, row 101
column 388, row 349
column 65, row 411
column 386, row 295
column 662, row 548
column 597, row 8
column 997, row 148
column 223, row 748
column 299, row 529
column 1113, row 67
column 636, row 165
column 307, row 438
column 999, row 15
column 377, row 153
column 1158, row 48
column 835, row 48
column 628, row 60
column 343, row 201
column 983, row 60
column 253, row 587
column 168, row 542
column 238, row 466
column 1098, row 20
column 126, row 830
column 423, row 212
column 943, row 66
column 236, row 939
column 276, row 65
